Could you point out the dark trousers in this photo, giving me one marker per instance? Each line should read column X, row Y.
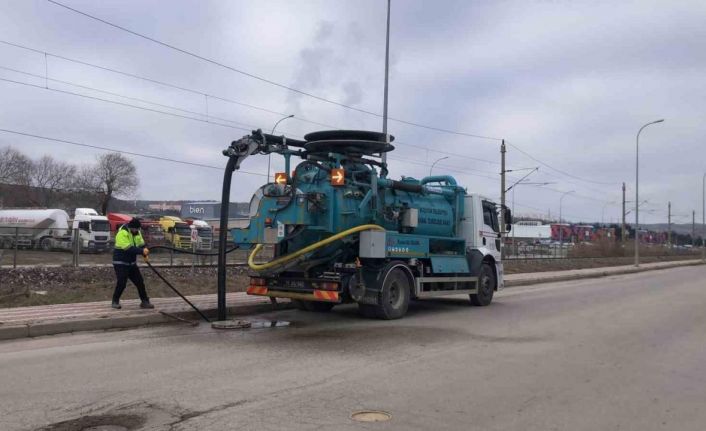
column 132, row 272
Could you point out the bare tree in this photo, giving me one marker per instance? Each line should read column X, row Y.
column 50, row 176
column 15, row 167
column 114, row 175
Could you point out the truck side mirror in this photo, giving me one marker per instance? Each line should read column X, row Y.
column 507, row 218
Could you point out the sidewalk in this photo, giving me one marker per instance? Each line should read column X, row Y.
column 88, row 316
column 577, row 274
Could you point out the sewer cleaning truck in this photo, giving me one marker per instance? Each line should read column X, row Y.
column 344, row 232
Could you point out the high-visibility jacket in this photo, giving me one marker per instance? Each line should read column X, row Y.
column 127, row 246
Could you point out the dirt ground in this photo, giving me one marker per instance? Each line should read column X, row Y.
column 51, row 285
column 57, row 285
column 65, row 258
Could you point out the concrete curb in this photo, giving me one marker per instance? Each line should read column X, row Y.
column 597, row 274
column 38, row 329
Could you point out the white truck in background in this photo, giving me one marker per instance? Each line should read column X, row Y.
column 204, row 234
column 53, row 229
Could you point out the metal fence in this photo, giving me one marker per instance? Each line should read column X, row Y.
column 568, row 250
column 20, row 246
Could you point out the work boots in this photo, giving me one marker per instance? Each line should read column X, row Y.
column 146, row 304
column 116, row 305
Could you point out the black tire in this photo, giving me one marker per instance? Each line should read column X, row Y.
column 395, row 294
column 315, row 306
column 486, row 286
column 298, row 304
column 45, row 244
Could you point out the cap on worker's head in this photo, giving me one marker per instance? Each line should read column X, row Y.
column 134, row 223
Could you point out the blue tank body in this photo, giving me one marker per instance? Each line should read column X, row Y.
column 310, row 208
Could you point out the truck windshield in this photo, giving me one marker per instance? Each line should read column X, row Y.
column 204, row 231
column 100, row 226
column 183, row 230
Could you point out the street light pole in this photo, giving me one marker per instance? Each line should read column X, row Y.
column 269, row 156
column 637, row 191
column 561, row 222
column 435, row 162
column 703, row 217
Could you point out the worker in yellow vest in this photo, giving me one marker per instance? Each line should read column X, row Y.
column 128, row 245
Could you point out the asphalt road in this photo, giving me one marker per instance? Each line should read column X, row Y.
column 625, row 353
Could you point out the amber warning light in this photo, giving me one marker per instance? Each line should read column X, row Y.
column 338, row 177
column 281, row 178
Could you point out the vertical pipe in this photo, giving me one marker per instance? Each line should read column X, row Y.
column 387, row 72
column 223, row 237
column 703, row 217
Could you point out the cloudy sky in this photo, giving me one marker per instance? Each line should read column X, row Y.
column 566, row 83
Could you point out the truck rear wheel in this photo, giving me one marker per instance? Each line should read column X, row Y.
column 394, row 296
column 486, row 286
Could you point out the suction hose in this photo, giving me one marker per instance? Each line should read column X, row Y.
column 223, row 236
column 284, row 259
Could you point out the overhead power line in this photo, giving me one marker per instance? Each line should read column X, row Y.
column 555, row 169
column 199, row 93
column 132, row 153
column 304, row 93
column 266, row 80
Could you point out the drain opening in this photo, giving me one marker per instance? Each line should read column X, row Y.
column 371, row 416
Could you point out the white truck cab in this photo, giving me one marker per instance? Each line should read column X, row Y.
column 480, row 227
column 94, row 229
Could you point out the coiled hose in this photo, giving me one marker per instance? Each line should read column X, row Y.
column 308, row 249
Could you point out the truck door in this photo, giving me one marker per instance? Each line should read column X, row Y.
column 490, row 229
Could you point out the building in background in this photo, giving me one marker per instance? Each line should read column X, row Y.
column 530, row 231
column 212, row 210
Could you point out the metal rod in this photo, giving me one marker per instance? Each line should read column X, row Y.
column 176, row 291
column 14, row 255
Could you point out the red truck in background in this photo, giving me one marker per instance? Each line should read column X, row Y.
column 151, row 229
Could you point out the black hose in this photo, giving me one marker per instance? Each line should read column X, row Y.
column 176, row 291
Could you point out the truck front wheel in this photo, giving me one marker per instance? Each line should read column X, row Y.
column 394, row 296
column 486, row 286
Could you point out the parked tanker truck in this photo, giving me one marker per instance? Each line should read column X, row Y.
column 342, row 231
column 52, row 229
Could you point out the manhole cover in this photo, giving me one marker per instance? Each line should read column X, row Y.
column 231, row 324
column 371, row 416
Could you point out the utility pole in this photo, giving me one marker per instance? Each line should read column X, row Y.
column 693, row 228
column 669, row 223
column 387, row 72
column 502, row 199
column 622, row 231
